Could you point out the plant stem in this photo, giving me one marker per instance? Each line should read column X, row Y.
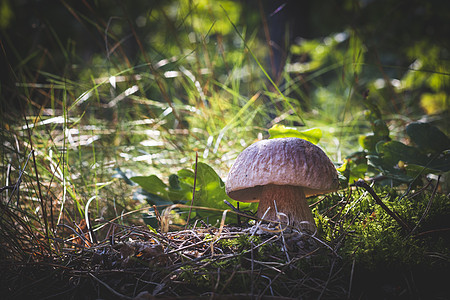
column 193, row 190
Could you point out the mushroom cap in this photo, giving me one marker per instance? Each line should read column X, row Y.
column 281, row 161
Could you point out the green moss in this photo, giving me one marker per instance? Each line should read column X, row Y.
column 372, row 238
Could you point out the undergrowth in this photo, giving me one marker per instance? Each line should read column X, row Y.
column 140, row 92
column 358, row 252
column 372, row 238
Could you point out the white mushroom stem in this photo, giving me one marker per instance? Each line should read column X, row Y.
column 291, row 201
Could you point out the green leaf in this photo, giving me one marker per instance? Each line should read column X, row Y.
column 210, row 190
column 353, row 169
column 152, row 184
column 380, row 129
column 393, row 151
column 153, row 230
column 181, row 186
column 368, row 142
column 151, row 199
column 428, row 137
column 186, row 176
column 183, row 194
column 439, row 163
column 174, row 182
column 312, row 135
column 389, row 154
column 389, row 171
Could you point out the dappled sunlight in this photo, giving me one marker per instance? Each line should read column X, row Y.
column 119, row 124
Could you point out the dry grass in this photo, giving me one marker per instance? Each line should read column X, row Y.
column 202, row 261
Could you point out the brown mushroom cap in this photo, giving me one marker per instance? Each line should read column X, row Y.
column 282, row 161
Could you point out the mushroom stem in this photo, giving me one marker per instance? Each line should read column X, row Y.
column 291, row 201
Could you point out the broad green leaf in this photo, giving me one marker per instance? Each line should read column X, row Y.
column 413, row 162
column 186, row 176
column 158, row 191
column 184, row 194
column 312, row 135
column 368, row 142
column 357, row 171
column 179, row 191
column 353, row 169
column 389, row 171
column 152, row 184
column 151, row 199
column 393, row 151
column 210, row 190
column 376, row 162
column 439, row 162
column 428, row 137
column 174, row 182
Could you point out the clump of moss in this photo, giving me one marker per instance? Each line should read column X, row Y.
column 372, row 238
column 385, row 259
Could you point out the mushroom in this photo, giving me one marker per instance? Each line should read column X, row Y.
column 286, row 170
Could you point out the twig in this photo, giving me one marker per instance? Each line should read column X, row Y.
column 351, row 280
column 157, row 215
column 19, row 180
column 252, row 269
column 43, row 207
column 193, row 190
column 278, row 214
column 363, row 184
column 238, row 216
column 238, row 212
column 417, row 176
column 7, row 187
column 79, row 234
column 270, row 283
column 88, row 222
column 328, row 280
column 110, row 288
column 427, row 209
column 318, row 201
column 217, row 281
column 257, row 226
column 433, row 231
column 266, row 264
column 420, row 191
column 63, row 241
column 229, row 280
column 231, row 205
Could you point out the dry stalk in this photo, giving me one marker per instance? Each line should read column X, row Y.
column 395, row 216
